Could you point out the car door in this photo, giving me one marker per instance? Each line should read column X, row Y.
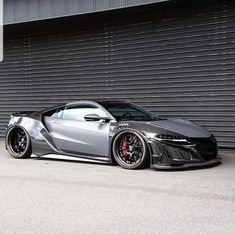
column 73, row 134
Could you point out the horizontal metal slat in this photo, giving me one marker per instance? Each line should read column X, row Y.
column 178, row 64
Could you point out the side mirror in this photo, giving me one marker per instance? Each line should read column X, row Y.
column 95, row 117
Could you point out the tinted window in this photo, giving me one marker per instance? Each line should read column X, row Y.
column 127, row 111
column 77, row 112
column 55, row 113
column 58, row 114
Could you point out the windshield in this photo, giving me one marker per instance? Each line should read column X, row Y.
column 124, row 111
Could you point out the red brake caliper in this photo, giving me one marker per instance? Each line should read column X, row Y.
column 124, row 150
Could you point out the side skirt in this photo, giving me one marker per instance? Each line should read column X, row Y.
column 69, row 156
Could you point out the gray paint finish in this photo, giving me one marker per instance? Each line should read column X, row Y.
column 17, row 11
column 175, row 63
column 85, row 137
column 97, row 139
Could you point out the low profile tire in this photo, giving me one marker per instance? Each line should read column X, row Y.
column 18, row 143
column 130, row 150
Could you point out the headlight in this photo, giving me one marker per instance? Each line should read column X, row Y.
column 163, row 137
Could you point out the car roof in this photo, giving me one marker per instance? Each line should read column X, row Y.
column 101, row 102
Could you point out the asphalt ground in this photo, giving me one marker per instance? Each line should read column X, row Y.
column 58, row 196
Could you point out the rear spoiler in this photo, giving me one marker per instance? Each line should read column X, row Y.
column 22, row 113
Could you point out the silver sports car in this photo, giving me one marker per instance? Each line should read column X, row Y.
column 112, row 132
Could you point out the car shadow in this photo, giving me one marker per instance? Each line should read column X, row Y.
column 227, row 159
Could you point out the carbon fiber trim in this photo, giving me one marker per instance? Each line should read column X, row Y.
column 177, row 153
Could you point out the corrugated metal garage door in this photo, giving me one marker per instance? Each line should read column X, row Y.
column 176, row 63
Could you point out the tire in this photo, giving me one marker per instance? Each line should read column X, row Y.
column 130, row 150
column 18, row 143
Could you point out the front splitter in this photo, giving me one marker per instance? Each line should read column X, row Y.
column 188, row 165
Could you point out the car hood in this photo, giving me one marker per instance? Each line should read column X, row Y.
column 180, row 126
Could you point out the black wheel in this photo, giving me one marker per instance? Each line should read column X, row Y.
column 130, row 150
column 18, row 143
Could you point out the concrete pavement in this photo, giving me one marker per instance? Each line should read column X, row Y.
column 54, row 196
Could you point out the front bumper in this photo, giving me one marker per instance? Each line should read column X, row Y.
column 195, row 153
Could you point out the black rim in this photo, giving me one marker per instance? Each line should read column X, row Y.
column 130, row 149
column 18, row 141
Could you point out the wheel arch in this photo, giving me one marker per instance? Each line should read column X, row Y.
column 10, row 128
column 113, row 160
column 8, row 145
